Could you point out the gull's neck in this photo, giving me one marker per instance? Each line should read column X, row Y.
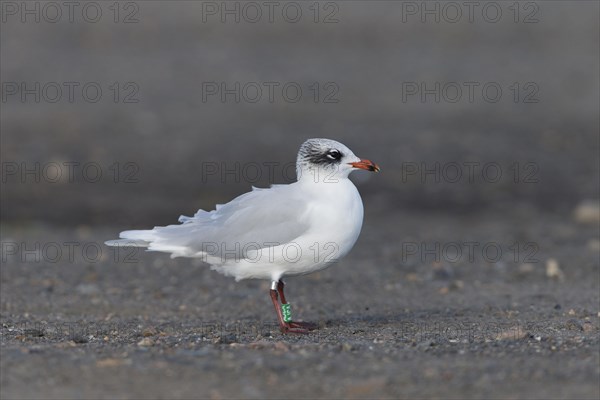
column 315, row 176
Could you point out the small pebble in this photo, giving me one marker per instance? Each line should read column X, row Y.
column 588, row 212
column 145, row 342
column 553, row 269
column 574, row 325
column 588, row 327
column 149, row 332
column 228, row 339
column 526, row 269
column 425, row 345
column 457, row 285
column 79, row 339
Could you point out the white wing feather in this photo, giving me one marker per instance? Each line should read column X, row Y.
column 257, row 219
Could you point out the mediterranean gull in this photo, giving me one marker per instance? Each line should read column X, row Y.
column 284, row 230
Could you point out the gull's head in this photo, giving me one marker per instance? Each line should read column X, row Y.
column 326, row 159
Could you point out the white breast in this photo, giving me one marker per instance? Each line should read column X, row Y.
column 334, row 214
column 338, row 215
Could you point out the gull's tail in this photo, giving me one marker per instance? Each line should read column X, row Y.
column 141, row 238
column 169, row 239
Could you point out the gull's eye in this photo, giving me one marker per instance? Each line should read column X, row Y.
column 334, row 155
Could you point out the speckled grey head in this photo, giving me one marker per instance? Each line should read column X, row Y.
column 326, row 155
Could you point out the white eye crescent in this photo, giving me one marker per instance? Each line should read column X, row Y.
column 334, row 155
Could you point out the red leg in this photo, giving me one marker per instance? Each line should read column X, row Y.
column 284, row 326
column 308, row 326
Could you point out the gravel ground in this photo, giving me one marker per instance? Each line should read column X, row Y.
column 391, row 324
column 476, row 288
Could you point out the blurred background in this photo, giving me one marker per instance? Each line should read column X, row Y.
column 380, row 77
column 484, row 118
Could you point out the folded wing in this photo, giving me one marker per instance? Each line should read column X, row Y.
column 257, row 219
